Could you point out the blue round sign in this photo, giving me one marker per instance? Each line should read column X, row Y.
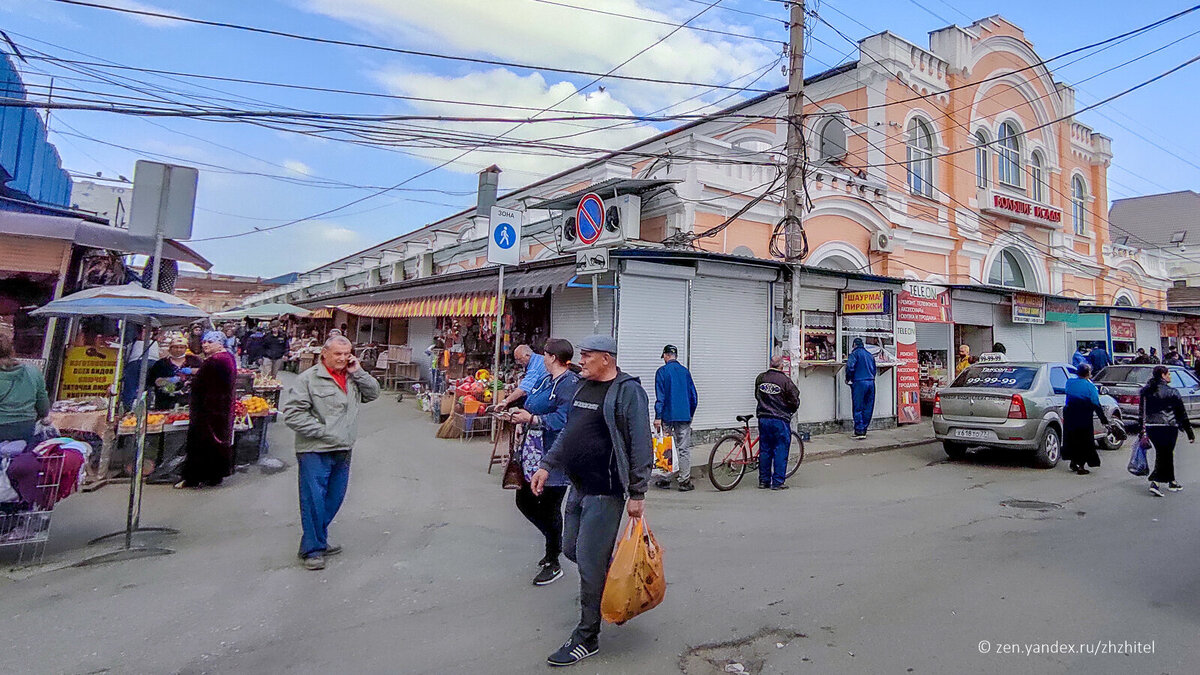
column 505, row 235
column 589, row 218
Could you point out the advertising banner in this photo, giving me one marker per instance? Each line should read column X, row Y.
column 87, row 371
column 1123, row 329
column 866, row 302
column 923, row 303
column 908, row 374
column 1028, row 308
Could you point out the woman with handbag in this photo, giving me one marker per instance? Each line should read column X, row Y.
column 1161, row 415
column 544, row 416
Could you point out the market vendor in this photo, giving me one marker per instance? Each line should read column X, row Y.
column 209, row 454
column 170, row 375
column 26, row 400
column 535, row 372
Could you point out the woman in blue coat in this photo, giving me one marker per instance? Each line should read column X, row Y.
column 1083, row 401
column 545, row 415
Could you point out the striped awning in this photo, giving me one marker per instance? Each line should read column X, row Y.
column 466, row 304
column 322, row 313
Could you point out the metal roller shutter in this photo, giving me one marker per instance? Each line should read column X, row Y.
column 1016, row 337
column 818, row 299
column 1147, row 335
column 730, row 347
column 933, row 336
column 571, row 314
column 420, row 336
column 973, row 313
column 1051, row 340
column 653, row 313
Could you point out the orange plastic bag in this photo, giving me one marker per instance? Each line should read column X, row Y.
column 635, row 582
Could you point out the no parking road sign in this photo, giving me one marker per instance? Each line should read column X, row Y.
column 589, row 218
column 504, row 236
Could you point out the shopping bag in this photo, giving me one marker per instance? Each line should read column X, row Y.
column 666, row 457
column 1138, row 465
column 635, row 582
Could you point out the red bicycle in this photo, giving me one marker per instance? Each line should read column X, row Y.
column 737, row 452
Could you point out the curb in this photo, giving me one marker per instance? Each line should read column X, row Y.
column 701, row 470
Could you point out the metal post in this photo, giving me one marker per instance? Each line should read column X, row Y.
column 794, row 186
column 496, row 360
column 595, row 306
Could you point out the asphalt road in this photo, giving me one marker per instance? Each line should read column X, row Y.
column 892, row 562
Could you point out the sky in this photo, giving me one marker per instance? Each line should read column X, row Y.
column 256, row 177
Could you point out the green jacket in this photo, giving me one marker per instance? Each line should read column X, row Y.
column 324, row 417
column 22, row 395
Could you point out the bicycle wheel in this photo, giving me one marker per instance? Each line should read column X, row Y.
column 727, row 462
column 795, row 455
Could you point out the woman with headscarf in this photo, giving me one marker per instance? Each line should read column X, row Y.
column 1079, row 440
column 169, row 376
column 1160, row 417
column 195, row 339
column 209, row 452
column 545, row 415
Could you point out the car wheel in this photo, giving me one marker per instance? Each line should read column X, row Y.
column 1049, row 450
column 1111, row 442
column 954, row 450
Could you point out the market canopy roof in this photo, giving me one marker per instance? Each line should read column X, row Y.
column 531, row 282
column 93, row 235
column 128, row 301
column 267, row 311
column 474, row 304
column 613, row 187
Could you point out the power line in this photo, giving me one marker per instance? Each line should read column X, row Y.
column 660, row 22
column 382, row 48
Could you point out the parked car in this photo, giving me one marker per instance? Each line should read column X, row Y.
column 1125, row 382
column 1014, row 406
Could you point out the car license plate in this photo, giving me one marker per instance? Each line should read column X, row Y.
column 975, row 434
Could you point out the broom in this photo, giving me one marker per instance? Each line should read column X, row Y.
column 449, row 429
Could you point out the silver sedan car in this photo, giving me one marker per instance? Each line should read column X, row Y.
column 1012, row 405
column 1125, row 383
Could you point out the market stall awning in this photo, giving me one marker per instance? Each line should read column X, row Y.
column 267, row 311
column 322, row 313
column 93, row 235
column 470, row 304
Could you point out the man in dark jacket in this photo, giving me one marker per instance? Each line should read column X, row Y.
column 274, row 348
column 778, row 399
column 860, row 375
column 675, row 402
column 252, row 347
column 606, row 452
column 1099, row 359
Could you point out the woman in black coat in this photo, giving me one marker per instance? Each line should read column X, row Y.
column 1160, row 417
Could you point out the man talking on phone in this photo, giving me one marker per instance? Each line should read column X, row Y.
column 322, row 408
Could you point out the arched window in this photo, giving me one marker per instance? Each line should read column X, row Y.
column 838, row 262
column 1123, row 301
column 920, row 158
column 833, row 140
column 1037, row 177
column 1009, row 171
column 1008, row 270
column 1078, row 201
column 982, row 162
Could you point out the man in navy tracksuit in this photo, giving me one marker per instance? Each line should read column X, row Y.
column 860, row 375
column 675, row 402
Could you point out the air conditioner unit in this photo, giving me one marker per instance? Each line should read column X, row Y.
column 621, row 221
column 882, row 242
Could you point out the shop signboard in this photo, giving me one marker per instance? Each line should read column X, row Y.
column 866, row 302
column 87, row 371
column 1123, row 329
column 1028, row 308
column 1168, row 330
column 908, row 374
column 1062, row 310
column 923, row 303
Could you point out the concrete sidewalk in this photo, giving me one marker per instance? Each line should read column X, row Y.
column 825, row 446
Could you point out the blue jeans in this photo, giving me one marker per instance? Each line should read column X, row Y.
column 862, row 394
column 774, row 437
column 591, row 524
column 323, row 480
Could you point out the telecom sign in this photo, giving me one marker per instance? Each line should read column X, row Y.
column 504, row 236
column 589, row 218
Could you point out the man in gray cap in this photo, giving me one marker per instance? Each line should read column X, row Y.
column 606, row 451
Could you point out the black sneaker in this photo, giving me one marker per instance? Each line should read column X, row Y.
column 1082, row 471
column 549, row 574
column 572, row 652
column 686, row 486
column 664, row 483
column 780, row 487
column 764, row 486
column 547, row 560
column 1174, row 487
column 1155, row 491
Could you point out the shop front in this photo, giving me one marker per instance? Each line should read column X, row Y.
column 925, row 338
column 1125, row 330
column 1030, row 326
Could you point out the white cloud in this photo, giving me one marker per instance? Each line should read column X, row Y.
column 536, row 33
column 297, row 166
column 143, row 7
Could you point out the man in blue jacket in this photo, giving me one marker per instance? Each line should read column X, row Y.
column 675, row 402
column 1099, row 359
column 860, row 375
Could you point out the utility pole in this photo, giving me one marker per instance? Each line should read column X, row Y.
column 794, row 187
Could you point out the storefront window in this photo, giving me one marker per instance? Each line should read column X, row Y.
column 818, row 333
column 19, row 294
column 876, row 332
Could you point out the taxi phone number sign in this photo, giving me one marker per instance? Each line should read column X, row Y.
column 866, row 302
column 87, row 371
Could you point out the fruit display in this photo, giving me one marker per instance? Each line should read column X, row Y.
column 154, row 422
column 261, row 382
column 255, row 405
column 178, row 417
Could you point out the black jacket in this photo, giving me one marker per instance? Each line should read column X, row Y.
column 778, row 397
column 274, row 346
column 627, row 413
column 1161, row 405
